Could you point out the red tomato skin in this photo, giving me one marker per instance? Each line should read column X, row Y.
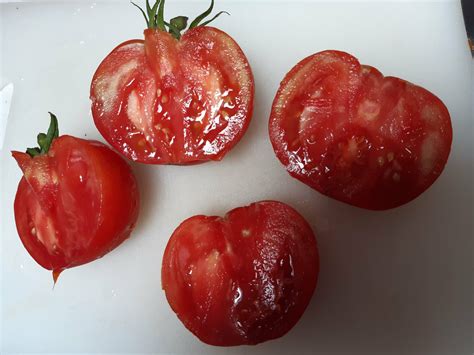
column 242, row 279
column 74, row 204
column 170, row 101
column 364, row 184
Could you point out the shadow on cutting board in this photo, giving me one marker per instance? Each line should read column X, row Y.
column 148, row 185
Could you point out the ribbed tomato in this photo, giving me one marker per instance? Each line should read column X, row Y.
column 349, row 132
column 172, row 99
column 244, row 278
column 77, row 200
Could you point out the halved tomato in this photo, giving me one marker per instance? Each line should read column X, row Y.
column 352, row 134
column 244, row 278
column 172, row 99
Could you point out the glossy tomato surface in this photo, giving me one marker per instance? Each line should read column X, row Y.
column 352, row 134
column 75, row 203
column 169, row 101
column 244, row 278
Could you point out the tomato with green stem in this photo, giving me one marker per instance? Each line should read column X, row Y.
column 174, row 97
column 77, row 200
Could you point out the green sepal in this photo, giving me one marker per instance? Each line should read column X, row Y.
column 202, row 16
column 180, row 22
column 154, row 18
column 212, row 19
column 45, row 139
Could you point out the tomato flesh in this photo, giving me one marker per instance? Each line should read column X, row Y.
column 168, row 101
column 244, row 278
column 75, row 203
column 352, row 134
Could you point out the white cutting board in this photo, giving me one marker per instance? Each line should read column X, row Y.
column 394, row 282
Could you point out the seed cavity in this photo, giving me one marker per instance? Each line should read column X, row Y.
column 318, row 93
column 369, row 110
column 431, row 114
column 429, row 153
column 108, row 85
column 212, row 259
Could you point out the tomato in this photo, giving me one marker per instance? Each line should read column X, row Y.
column 77, row 200
column 354, row 135
column 242, row 279
column 172, row 99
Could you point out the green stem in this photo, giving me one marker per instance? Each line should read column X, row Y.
column 45, row 139
column 155, row 18
column 160, row 18
column 202, row 16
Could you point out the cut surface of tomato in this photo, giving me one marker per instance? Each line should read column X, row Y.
column 244, row 278
column 167, row 101
column 354, row 135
